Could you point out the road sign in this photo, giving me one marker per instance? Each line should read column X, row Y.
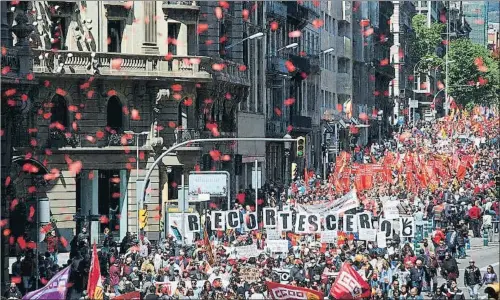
column 213, row 183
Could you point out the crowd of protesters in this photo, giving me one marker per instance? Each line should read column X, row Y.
column 458, row 210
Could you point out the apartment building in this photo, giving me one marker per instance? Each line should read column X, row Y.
column 116, row 84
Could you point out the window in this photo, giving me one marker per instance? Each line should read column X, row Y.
column 59, row 111
column 114, row 114
column 182, row 115
column 173, row 34
column 115, row 34
column 58, row 33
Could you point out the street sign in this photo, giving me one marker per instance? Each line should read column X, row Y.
column 413, row 103
column 213, row 183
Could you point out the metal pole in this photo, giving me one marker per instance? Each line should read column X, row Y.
column 446, row 63
column 256, row 189
column 138, row 200
column 183, row 209
column 287, row 168
column 380, row 131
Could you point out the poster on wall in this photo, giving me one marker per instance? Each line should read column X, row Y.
column 175, row 228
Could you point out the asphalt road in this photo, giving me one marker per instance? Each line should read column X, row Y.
column 483, row 256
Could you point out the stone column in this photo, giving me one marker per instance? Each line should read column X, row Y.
column 149, row 45
column 23, row 30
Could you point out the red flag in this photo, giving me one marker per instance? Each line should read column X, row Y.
column 349, row 284
column 94, row 285
column 290, row 292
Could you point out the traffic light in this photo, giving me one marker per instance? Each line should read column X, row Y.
column 294, row 171
column 301, row 146
column 238, row 164
column 143, row 218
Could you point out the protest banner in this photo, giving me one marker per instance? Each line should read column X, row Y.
column 391, row 210
column 285, row 221
column 280, row 291
column 367, row 234
column 280, row 246
column 337, row 206
column 349, row 284
column 249, row 274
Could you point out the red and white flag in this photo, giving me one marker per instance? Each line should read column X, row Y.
column 95, row 289
column 280, row 291
column 349, row 284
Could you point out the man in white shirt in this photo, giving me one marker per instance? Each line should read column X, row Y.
column 487, row 226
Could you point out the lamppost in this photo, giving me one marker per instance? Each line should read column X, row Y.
column 290, row 46
column 253, row 36
column 138, row 200
column 288, row 145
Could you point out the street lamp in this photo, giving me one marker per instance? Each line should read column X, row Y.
column 288, row 145
column 290, row 46
column 327, row 50
column 253, row 36
column 138, row 200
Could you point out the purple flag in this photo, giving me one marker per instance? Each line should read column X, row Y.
column 54, row 289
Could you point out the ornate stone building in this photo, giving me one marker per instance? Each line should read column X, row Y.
column 111, row 83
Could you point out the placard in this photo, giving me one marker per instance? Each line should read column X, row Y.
column 369, row 235
column 328, row 236
column 285, row 221
column 391, row 210
column 247, row 251
column 280, row 246
column 218, row 220
column 233, row 219
column 381, row 240
column 269, row 217
column 407, row 227
column 250, row 221
column 273, row 234
column 350, row 223
column 170, row 285
column 387, row 227
column 249, row 274
column 283, row 274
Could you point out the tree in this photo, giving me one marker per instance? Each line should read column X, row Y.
column 425, row 43
column 472, row 65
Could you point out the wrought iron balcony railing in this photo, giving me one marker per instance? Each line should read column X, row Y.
column 183, row 135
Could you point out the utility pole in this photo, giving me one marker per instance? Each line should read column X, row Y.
column 446, row 100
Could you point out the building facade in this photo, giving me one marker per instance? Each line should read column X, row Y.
column 114, row 86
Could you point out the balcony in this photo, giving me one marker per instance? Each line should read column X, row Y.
column 183, row 135
column 276, row 64
column 276, row 9
column 135, row 66
column 60, row 139
column 181, row 10
column 301, row 123
column 298, row 15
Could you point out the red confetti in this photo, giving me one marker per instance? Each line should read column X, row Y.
column 176, row 87
column 63, row 241
column 6, row 232
column 188, row 102
column 135, row 115
column 274, row 25
column 116, row 63
column 289, row 101
column 318, row 23
column 7, row 181
column 13, row 204
column 21, row 242
column 202, row 28
column 61, row 92
column 218, row 12
column 277, row 111
column 290, row 67
column 294, row 34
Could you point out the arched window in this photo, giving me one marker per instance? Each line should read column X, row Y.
column 59, row 111
column 115, row 114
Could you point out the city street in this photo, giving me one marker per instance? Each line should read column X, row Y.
column 483, row 256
